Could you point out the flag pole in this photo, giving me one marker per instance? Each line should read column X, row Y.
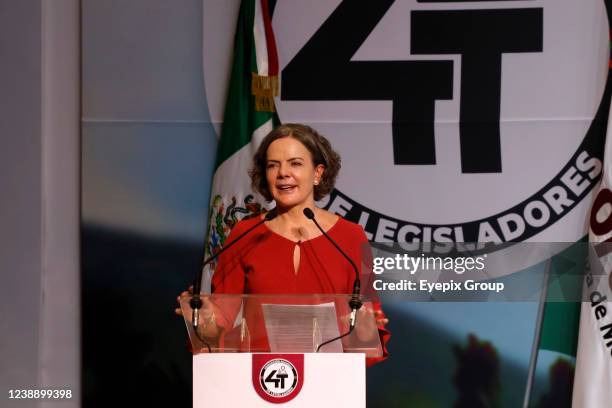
column 538, row 333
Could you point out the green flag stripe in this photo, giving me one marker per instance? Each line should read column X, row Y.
column 559, row 329
column 561, row 319
column 240, row 119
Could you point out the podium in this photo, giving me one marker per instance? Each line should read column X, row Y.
column 258, row 350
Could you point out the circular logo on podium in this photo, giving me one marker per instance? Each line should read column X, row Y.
column 278, row 378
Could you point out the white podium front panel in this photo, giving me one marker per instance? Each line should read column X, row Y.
column 284, row 380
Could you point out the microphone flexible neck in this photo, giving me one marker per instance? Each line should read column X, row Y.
column 355, row 302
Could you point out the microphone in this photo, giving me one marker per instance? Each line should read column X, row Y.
column 196, row 301
column 355, row 302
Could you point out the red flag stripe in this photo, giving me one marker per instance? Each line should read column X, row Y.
column 270, row 40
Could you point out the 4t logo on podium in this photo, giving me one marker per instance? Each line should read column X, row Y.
column 278, row 378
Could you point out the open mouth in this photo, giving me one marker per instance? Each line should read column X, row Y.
column 286, row 188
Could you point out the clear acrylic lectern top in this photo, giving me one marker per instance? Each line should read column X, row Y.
column 281, row 324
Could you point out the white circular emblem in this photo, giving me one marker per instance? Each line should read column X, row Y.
column 455, row 122
column 278, row 378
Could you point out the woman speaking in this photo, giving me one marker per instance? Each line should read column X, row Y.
column 294, row 166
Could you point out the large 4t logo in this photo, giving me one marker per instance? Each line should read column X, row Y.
column 323, row 70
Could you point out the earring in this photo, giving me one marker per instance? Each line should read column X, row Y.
column 316, row 182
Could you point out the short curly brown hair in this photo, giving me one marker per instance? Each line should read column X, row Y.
column 318, row 146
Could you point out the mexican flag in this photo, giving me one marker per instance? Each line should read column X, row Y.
column 557, row 324
column 560, row 319
column 249, row 116
column 593, row 379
